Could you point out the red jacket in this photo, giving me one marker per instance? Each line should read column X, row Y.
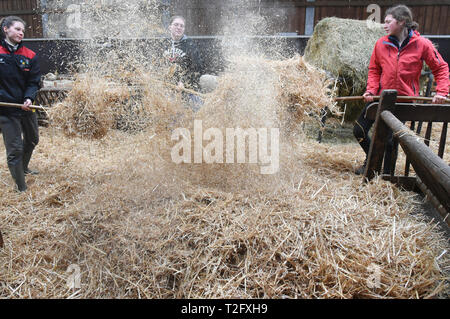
column 390, row 68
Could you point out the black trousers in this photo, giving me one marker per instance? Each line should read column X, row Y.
column 20, row 135
column 361, row 132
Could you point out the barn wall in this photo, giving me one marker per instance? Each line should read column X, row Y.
column 27, row 10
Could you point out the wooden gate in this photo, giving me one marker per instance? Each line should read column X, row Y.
column 432, row 172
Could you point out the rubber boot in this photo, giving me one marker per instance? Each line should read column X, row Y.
column 26, row 161
column 360, row 170
column 18, row 176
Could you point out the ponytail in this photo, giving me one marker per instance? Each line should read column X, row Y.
column 403, row 13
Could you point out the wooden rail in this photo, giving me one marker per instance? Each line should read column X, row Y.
column 432, row 172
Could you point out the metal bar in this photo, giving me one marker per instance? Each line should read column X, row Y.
column 407, row 162
column 218, row 37
column 309, row 20
column 428, row 133
column 443, row 140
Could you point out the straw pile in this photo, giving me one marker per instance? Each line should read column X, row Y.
column 137, row 229
column 290, row 90
column 137, row 225
column 95, row 105
column 84, row 111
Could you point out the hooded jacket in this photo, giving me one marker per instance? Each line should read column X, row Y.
column 399, row 68
column 189, row 62
column 20, row 76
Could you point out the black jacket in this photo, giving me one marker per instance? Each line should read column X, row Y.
column 188, row 60
column 20, row 76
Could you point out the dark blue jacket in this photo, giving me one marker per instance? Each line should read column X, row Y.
column 20, row 77
column 185, row 54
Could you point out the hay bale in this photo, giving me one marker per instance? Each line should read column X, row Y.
column 343, row 47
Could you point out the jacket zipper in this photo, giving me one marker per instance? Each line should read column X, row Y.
column 396, row 69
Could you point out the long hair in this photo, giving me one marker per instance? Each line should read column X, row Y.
column 402, row 13
column 7, row 22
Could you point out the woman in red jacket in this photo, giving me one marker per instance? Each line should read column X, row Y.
column 396, row 63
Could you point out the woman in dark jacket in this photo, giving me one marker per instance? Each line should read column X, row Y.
column 182, row 54
column 19, row 82
column 184, row 61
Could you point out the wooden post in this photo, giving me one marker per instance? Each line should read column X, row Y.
column 379, row 137
column 443, row 140
column 323, row 119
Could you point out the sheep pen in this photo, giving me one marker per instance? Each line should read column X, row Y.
column 111, row 200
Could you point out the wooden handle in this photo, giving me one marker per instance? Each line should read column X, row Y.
column 176, row 87
column 19, row 106
column 377, row 97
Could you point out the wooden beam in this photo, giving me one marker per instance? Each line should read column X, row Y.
column 408, row 183
column 415, row 112
column 18, row 13
column 434, row 201
column 443, row 140
column 431, row 169
column 179, row 4
column 379, row 136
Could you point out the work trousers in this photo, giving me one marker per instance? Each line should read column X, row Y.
column 20, row 135
column 361, row 132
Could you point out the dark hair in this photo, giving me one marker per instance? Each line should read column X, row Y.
column 402, row 13
column 7, row 22
column 177, row 17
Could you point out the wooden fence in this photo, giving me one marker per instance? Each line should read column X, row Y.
column 28, row 10
column 207, row 17
column 432, row 172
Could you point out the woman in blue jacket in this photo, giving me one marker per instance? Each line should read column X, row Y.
column 19, row 82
